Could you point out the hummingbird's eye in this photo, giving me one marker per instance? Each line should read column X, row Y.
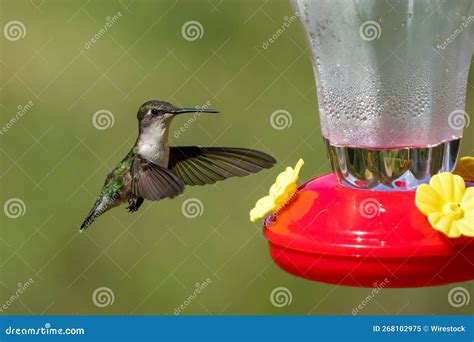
column 154, row 111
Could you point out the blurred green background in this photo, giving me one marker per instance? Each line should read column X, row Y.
column 55, row 160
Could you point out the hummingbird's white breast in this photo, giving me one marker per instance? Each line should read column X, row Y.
column 153, row 143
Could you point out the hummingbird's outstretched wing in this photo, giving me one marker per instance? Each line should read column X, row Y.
column 154, row 182
column 206, row 165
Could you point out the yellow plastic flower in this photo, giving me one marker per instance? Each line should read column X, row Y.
column 448, row 204
column 280, row 192
column 465, row 168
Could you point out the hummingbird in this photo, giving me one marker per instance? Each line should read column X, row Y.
column 153, row 170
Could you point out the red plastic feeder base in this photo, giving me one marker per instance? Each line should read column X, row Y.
column 334, row 234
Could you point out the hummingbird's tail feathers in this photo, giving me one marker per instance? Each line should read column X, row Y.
column 153, row 182
column 207, row 165
column 100, row 206
column 87, row 222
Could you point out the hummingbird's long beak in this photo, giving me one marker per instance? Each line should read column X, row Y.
column 194, row 110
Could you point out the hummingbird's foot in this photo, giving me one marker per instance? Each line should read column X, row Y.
column 131, row 205
column 134, row 205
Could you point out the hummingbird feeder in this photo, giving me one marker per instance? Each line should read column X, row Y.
column 391, row 84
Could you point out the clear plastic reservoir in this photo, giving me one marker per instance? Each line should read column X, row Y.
column 390, row 74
